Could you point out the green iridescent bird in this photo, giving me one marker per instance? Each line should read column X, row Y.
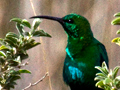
column 83, row 52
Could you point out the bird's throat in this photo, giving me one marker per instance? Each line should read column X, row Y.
column 77, row 45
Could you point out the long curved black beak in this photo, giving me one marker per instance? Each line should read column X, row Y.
column 60, row 20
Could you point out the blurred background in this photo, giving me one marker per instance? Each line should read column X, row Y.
column 50, row 55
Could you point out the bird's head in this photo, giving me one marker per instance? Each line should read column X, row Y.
column 74, row 25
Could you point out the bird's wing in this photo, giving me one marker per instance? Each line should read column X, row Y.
column 103, row 53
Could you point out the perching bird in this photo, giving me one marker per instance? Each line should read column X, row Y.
column 83, row 52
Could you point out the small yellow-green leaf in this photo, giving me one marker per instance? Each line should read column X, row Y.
column 100, row 84
column 2, row 54
column 116, row 40
column 24, row 71
column 115, row 71
column 116, row 21
column 117, row 14
column 4, row 47
column 118, row 32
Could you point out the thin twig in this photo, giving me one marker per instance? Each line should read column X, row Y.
column 30, row 85
column 22, row 65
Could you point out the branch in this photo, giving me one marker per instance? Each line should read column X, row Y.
column 30, row 85
column 22, row 65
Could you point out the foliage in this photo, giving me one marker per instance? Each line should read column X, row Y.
column 13, row 50
column 107, row 79
column 116, row 21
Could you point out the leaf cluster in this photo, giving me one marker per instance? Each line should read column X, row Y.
column 13, row 50
column 107, row 79
column 116, row 21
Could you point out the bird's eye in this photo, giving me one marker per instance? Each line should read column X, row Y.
column 69, row 21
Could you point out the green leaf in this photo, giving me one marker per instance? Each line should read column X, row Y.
column 117, row 81
column 30, row 44
column 12, row 78
column 4, row 47
column 116, row 21
column 100, row 84
column 27, row 34
column 115, row 71
column 102, row 70
column 2, row 42
column 118, row 32
column 101, row 74
column 13, row 39
column 3, row 81
column 11, row 34
column 23, row 56
column 26, row 23
column 10, row 42
column 117, row 14
column 20, row 28
column 116, row 40
column 39, row 33
column 107, row 81
column 18, row 60
column 11, row 85
column 36, row 23
column 118, row 78
column 24, row 71
column 98, row 78
column 13, row 72
column 3, row 54
column 13, row 63
column 18, row 20
column 104, row 66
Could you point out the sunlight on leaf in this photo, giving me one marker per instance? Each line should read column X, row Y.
column 36, row 23
column 24, row 71
column 117, row 14
column 116, row 40
column 116, row 21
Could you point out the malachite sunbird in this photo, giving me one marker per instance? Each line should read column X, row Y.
column 83, row 52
